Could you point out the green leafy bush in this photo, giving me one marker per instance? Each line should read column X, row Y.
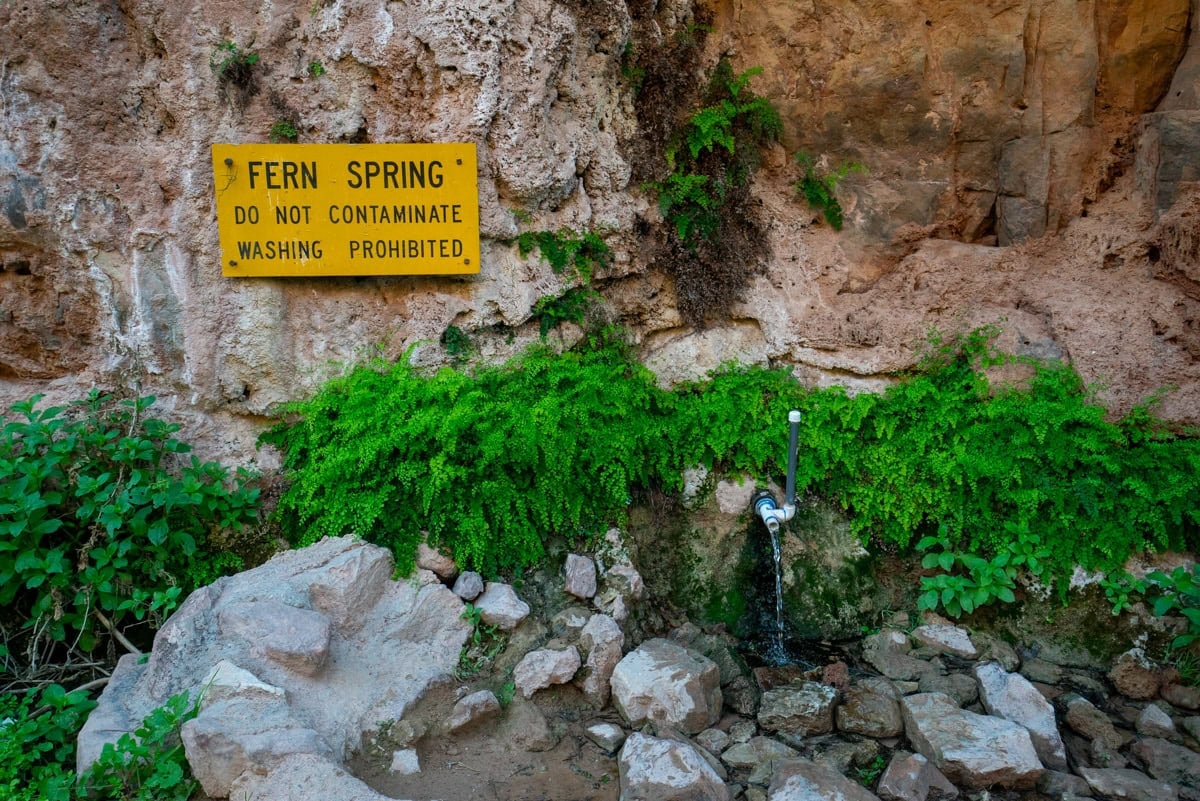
column 1007, row 480
column 1179, row 593
column 102, row 510
column 37, row 751
column 488, row 463
column 284, row 131
column 149, row 764
column 821, row 190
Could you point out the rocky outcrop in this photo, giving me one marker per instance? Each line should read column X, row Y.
column 286, row 680
column 976, row 128
column 664, row 683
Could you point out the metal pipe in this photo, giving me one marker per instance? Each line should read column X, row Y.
column 793, row 448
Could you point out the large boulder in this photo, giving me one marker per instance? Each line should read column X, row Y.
column 304, row 654
column 501, row 606
column 665, row 683
column 805, row 710
column 1011, row 696
column 541, row 668
column 602, row 641
column 871, row 708
column 653, row 769
column 972, row 750
column 803, row 780
column 910, row 777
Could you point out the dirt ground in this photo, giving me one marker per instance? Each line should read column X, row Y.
column 534, row 750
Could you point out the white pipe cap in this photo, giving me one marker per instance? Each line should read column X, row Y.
column 794, row 416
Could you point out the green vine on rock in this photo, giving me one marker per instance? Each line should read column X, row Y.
column 568, row 252
column 821, row 190
column 714, row 238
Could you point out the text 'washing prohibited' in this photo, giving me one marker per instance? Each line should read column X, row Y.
column 318, row 210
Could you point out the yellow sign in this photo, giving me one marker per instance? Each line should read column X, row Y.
column 315, row 210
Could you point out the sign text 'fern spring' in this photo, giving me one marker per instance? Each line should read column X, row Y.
column 318, row 210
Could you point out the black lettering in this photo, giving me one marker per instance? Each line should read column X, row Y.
column 269, row 169
column 355, row 179
column 308, row 175
column 435, row 174
column 253, row 169
column 456, row 249
column 390, row 169
column 416, row 175
column 371, row 171
column 317, row 250
column 354, row 246
column 289, row 174
column 455, row 217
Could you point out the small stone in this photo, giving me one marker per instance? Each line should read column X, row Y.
column 1135, row 676
column 1128, row 784
column 1192, row 726
column 297, row 639
column 1041, row 671
column 1154, row 722
column 609, row 736
column 742, row 696
column 1011, row 696
column 602, row 640
column 693, row 482
column 1169, row 762
column 888, row 652
column 993, row 649
column 871, row 708
column 959, row 686
column 227, row 680
column 540, row 669
column 947, row 640
column 910, row 777
column 468, row 585
column 500, row 606
column 432, row 559
column 580, row 576
column 1057, row 784
column 714, row 740
column 1083, row 717
column 405, row 762
column 742, row 730
column 472, row 709
column 1181, row 695
column 754, row 752
column 842, row 755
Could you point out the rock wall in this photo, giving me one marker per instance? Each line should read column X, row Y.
column 1019, row 158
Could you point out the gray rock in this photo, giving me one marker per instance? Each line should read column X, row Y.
column 733, row 496
column 434, row 560
column 742, row 696
column 602, row 640
column 297, row 639
column 1041, row 671
column 349, row 585
column 1012, row 697
column 468, row 585
column 1169, row 762
column 1135, row 676
column 959, row 686
column 749, row 755
column 910, row 777
column 540, row 669
column 526, row 727
column 888, row 652
column 405, row 762
column 803, row 780
column 1057, row 784
column 742, row 730
column 1154, row 722
column 303, row 776
column 227, row 680
column 713, row 740
column 1128, row 784
column 972, row 750
column 842, row 755
column 803, row 710
column 664, row 683
column 1180, row 695
column 871, row 708
column 609, row 736
column 500, row 606
column 230, row 737
column 1190, row 724
column 580, row 576
column 993, row 649
column 473, row 708
column 367, row 655
column 1083, row 717
column 654, row 769
column 946, row 639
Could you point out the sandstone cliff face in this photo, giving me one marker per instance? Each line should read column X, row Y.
column 980, row 123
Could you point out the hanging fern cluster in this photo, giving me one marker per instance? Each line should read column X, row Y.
column 492, row 463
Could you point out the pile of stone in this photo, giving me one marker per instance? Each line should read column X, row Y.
column 298, row 662
column 948, row 714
